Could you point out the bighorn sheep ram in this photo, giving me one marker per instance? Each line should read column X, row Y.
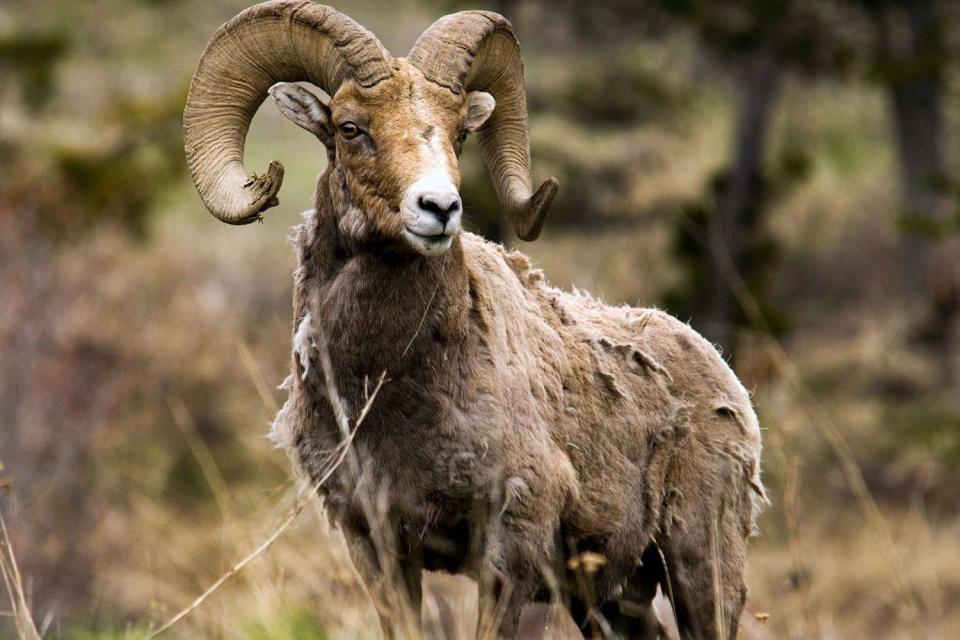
column 536, row 440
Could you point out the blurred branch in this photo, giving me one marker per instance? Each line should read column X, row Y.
column 760, row 79
column 791, row 509
column 259, row 383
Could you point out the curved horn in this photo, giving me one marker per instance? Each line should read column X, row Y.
column 277, row 41
column 478, row 51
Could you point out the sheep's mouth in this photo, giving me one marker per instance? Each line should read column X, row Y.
column 429, row 238
column 429, row 244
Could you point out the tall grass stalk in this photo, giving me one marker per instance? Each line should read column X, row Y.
column 20, row 609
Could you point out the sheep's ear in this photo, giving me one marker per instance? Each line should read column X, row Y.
column 305, row 109
column 480, row 105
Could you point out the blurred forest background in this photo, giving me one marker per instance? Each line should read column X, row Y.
column 782, row 173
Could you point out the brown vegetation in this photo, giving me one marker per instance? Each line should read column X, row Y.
column 138, row 367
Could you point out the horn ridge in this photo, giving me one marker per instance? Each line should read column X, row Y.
column 479, row 51
column 275, row 41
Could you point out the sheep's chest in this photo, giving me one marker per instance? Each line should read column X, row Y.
column 429, row 498
column 430, row 474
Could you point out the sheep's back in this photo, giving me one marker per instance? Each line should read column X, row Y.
column 641, row 397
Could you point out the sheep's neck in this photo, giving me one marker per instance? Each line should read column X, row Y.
column 386, row 313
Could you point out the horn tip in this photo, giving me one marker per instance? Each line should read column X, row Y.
column 262, row 192
column 550, row 185
column 536, row 210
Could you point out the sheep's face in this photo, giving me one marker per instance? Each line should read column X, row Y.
column 394, row 151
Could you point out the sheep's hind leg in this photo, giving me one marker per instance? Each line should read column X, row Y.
column 626, row 620
column 696, row 596
column 504, row 588
column 501, row 601
column 632, row 616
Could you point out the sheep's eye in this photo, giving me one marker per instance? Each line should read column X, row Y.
column 458, row 142
column 349, row 130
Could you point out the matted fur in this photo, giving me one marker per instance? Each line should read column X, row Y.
column 580, row 423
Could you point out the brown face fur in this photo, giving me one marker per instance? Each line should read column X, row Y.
column 384, row 139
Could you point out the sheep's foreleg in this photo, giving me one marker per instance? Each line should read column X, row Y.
column 394, row 586
column 503, row 587
column 500, row 606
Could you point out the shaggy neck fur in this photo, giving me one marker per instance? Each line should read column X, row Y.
column 381, row 308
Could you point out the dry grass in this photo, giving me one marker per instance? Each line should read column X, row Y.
column 13, row 581
column 820, row 569
column 142, row 384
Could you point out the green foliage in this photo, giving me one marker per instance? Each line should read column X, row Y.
column 122, row 157
column 135, row 633
column 923, row 427
column 845, row 150
column 922, row 224
column 918, row 223
column 821, row 36
column 915, row 453
column 295, row 624
column 114, row 176
column 601, row 19
column 290, row 624
column 912, row 40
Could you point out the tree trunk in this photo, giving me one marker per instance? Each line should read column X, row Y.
column 759, row 81
column 914, row 51
column 916, row 88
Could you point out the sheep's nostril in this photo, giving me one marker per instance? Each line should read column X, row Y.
column 427, row 204
column 440, row 205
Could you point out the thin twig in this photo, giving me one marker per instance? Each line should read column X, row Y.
column 233, row 570
column 284, row 525
column 426, row 309
column 205, row 460
column 791, row 508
